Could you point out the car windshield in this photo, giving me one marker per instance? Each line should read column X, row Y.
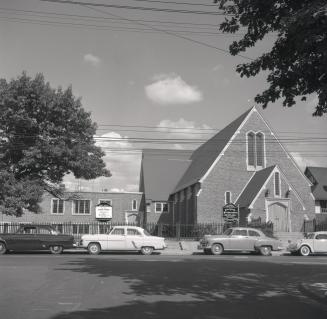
column 228, row 231
column 309, row 235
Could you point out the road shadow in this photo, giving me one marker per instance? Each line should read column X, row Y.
column 188, row 288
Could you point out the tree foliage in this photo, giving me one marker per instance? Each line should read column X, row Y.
column 297, row 62
column 44, row 135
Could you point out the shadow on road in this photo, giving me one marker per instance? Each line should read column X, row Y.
column 195, row 289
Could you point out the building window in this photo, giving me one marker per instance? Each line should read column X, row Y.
column 57, row 206
column 277, row 184
column 323, row 205
column 255, row 150
column 134, row 204
column 260, row 152
column 82, row 207
column 148, row 207
column 161, row 207
column 251, row 149
column 105, row 201
column 228, row 197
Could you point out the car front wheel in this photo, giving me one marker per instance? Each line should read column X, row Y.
column 56, row 250
column 217, row 249
column 305, row 251
column 94, row 249
column 265, row 250
column 146, row 250
column 3, row 248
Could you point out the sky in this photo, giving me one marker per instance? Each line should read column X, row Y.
column 147, row 70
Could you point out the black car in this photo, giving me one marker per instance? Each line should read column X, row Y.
column 34, row 238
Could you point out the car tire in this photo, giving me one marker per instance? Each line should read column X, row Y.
column 94, row 248
column 305, row 250
column 146, row 250
column 3, row 248
column 217, row 249
column 265, row 250
column 56, row 250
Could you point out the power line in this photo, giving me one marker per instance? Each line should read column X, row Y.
column 179, row 3
column 113, row 28
column 154, row 28
column 167, row 10
column 106, row 18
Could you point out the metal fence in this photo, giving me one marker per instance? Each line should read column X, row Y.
column 169, row 231
column 317, row 224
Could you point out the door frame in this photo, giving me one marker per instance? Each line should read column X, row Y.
column 286, row 202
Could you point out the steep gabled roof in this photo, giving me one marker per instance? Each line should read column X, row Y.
column 161, row 170
column 254, row 186
column 204, row 156
column 319, row 189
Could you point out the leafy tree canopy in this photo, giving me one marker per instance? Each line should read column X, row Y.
column 44, row 134
column 297, row 62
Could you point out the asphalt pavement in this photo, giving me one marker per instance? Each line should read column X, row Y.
column 129, row 285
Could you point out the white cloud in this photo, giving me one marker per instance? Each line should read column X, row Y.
column 217, row 67
column 172, row 89
column 303, row 162
column 92, row 59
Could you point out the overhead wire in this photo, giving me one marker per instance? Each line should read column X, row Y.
column 91, row 7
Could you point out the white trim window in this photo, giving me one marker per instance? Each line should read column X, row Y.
column 277, row 184
column 228, row 197
column 82, row 207
column 57, row 206
column 134, row 204
column 255, row 150
column 105, row 201
column 161, row 207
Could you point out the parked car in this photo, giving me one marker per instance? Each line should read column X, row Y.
column 120, row 238
column 239, row 239
column 315, row 242
column 36, row 237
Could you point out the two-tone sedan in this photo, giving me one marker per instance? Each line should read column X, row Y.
column 239, row 239
column 34, row 238
column 123, row 238
column 314, row 243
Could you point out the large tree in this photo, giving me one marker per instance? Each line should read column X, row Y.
column 297, row 62
column 44, row 134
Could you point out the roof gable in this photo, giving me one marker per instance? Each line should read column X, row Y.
column 257, row 183
column 205, row 155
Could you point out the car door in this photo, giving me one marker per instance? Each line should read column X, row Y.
column 320, row 243
column 238, row 240
column 117, row 239
column 252, row 238
column 24, row 239
column 134, row 239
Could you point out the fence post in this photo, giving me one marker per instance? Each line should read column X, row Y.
column 160, row 230
column 178, row 231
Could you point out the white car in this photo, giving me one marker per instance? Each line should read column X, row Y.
column 119, row 238
column 313, row 243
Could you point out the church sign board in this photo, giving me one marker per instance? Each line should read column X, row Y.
column 103, row 211
column 230, row 213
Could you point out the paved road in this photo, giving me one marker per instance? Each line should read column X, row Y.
column 131, row 286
